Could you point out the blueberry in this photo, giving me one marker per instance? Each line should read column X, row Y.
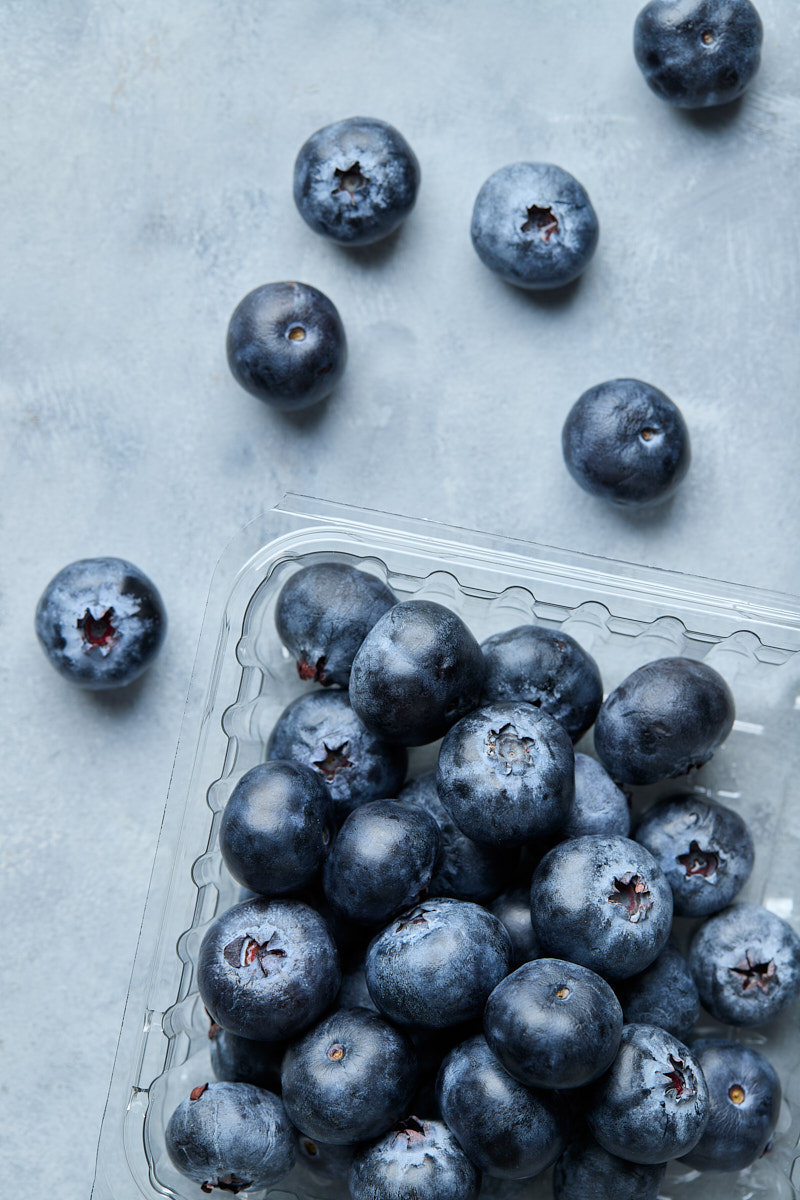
column 704, row 849
column 507, row 1129
column 231, row 1136
column 267, row 969
column 418, row 1160
column 354, row 992
column 506, row 773
column 534, row 225
column 744, row 1096
column 602, row 902
column 286, row 345
column 586, row 1171
column 356, row 181
column 513, row 909
column 277, row 828
column 325, row 1164
column 626, row 441
column 241, row 1060
column 746, row 964
column 599, row 806
column 652, row 1105
column 100, row 622
column 698, row 53
column 418, row 670
column 466, row 870
column 553, row 1024
column 349, row 1077
column 664, row 994
column 548, row 669
column 323, row 613
column 436, row 964
column 322, row 731
column 382, row 861
column 667, row 716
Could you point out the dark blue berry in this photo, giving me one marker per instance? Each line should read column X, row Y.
column 355, row 181
column 507, row 1129
column 231, row 1136
column 667, row 716
column 697, row 53
column 664, row 994
column 323, row 613
column 586, row 1171
column 599, row 806
column 746, row 964
column 277, row 828
column 349, row 1077
column 241, row 1060
column 325, row 1165
column 652, row 1105
column 100, row 622
column 322, row 731
column 626, row 441
column 534, row 225
column 704, row 849
column 436, row 964
column 549, row 670
column 267, row 969
column 513, row 909
column 418, row 670
column 382, row 861
column 506, row 773
column 602, row 902
column 744, row 1097
column 287, row 345
column 418, row 1160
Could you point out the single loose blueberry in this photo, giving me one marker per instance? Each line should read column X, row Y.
column 664, row 994
column 355, row 181
column 348, row 1078
column 626, row 441
column 286, row 345
column 534, row 225
column 267, row 969
column 506, row 773
column 506, row 1129
column 553, row 1024
column 704, row 849
column 667, row 716
column 277, row 828
column 599, row 806
column 241, row 1060
column 322, row 731
column 698, row 53
column 744, row 1096
column 547, row 668
column 418, row 670
column 513, row 909
column 652, row 1104
column 746, row 964
column 466, row 870
column 602, row 902
column 436, row 964
column 101, row 622
column 418, row 1160
column 382, row 861
column 231, row 1136
column 323, row 613
column 586, row 1171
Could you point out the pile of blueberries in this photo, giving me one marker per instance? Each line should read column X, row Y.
column 455, row 982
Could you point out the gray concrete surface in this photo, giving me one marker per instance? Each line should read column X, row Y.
column 146, row 163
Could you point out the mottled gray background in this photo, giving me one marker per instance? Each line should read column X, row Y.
column 146, row 152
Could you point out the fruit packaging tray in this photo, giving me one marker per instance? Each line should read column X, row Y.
column 622, row 614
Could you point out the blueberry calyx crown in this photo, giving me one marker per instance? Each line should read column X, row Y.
column 226, row 1183
column 98, row 631
column 412, row 1129
column 350, row 181
column 632, row 893
column 197, row 1092
column 506, row 744
column 312, row 671
column 246, row 950
column 704, row 863
column 336, row 1052
column 540, row 219
column 759, row 975
column 416, row 918
column 682, row 1085
column 335, row 759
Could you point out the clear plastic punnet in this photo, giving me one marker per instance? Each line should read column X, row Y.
column 624, row 615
